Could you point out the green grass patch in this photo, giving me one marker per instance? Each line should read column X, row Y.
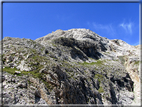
column 121, row 58
column 100, row 90
column 12, row 71
column 35, row 74
column 99, row 77
column 137, row 62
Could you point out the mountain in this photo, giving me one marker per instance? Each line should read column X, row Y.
column 76, row 66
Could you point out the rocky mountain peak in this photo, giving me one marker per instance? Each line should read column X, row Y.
column 86, row 35
column 75, row 66
column 78, row 34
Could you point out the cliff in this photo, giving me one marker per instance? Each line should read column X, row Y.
column 76, row 66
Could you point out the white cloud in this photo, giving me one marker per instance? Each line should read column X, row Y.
column 111, row 29
column 106, row 28
column 127, row 27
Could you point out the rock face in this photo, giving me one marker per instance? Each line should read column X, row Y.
column 76, row 66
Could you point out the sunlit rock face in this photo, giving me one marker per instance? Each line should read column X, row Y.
column 75, row 66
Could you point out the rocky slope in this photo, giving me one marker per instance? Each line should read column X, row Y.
column 76, row 66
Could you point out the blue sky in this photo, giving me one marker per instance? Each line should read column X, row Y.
column 34, row 20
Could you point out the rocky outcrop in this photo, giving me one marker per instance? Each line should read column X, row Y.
column 133, row 65
column 18, row 90
column 76, row 66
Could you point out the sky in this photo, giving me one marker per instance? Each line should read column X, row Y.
column 35, row 20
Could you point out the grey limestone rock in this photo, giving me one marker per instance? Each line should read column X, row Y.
column 76, row 66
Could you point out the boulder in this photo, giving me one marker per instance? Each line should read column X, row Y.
column 17, row 72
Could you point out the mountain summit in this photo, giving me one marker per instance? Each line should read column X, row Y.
column 75, row 66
